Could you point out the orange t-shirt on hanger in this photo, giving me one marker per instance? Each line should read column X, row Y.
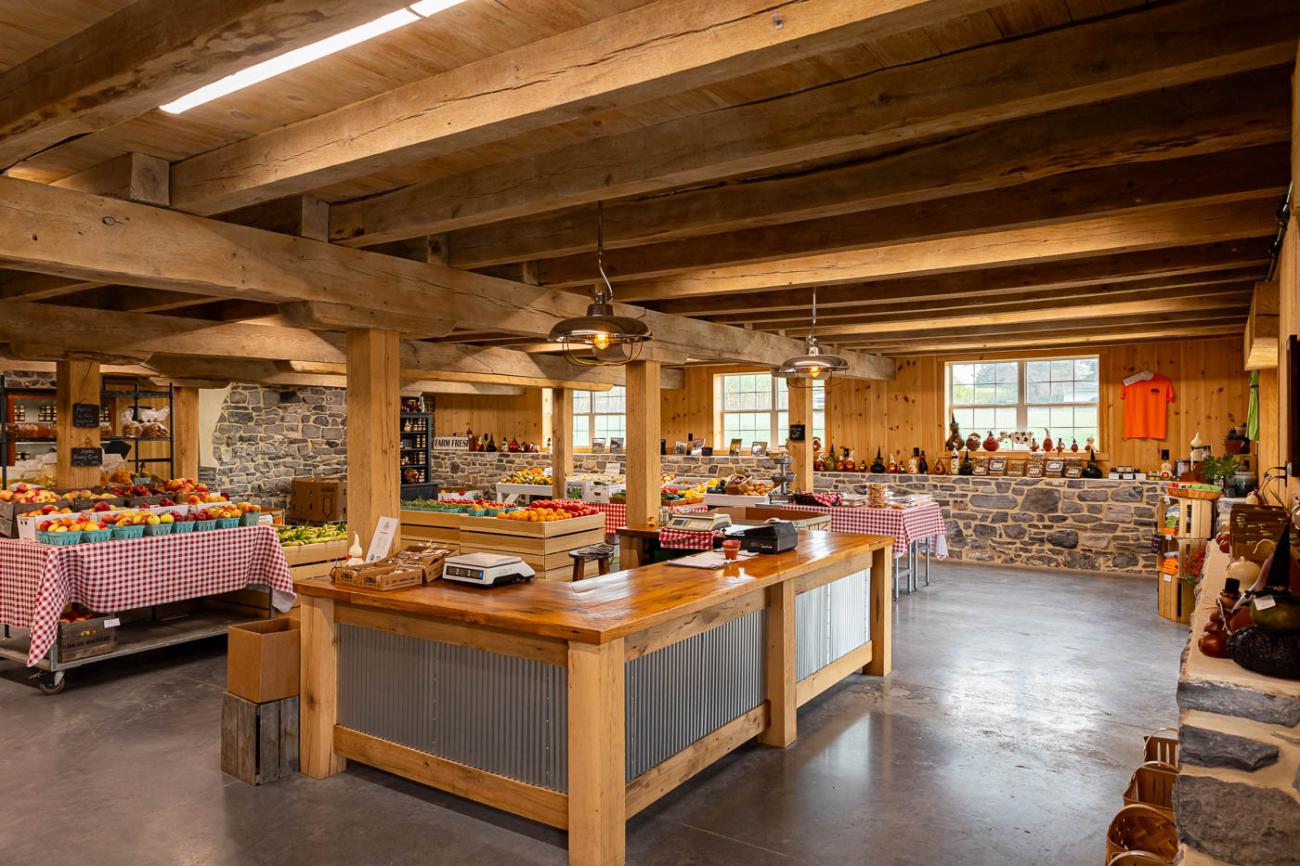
column 1144, row 407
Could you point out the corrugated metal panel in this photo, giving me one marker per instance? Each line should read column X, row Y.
column 502, row 714
column 683, row 692
column 831, row 620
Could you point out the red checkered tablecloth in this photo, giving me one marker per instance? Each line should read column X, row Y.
column 906, row 526
column 686, row 539
column 38, row 580
column 616, row 513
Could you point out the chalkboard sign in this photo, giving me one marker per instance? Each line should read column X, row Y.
column 85, row 415
column 797, row 432
column 87, row 456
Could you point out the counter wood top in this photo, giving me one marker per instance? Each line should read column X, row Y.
column 601, row 609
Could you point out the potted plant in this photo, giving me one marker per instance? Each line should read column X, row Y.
column 1235, row 442
column 1218, row 470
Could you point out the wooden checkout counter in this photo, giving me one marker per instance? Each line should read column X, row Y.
column 579, row 704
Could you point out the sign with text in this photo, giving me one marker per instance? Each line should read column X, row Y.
column 382, row 541
column 86, row 456
column 85, row 415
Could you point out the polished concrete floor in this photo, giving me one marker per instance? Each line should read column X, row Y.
column 1005, row 736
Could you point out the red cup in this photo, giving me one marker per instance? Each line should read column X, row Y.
column 731, row 547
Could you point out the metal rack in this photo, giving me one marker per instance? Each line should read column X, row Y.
column 415, row 443
column 135, row 394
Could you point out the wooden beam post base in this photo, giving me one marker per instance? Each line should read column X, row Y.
column 597, row 746
column 882, row 613
column 319, row 686
column 780, row 670
column 374, row 419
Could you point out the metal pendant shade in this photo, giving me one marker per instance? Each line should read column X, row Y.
column 601, row 338
column 804, row 371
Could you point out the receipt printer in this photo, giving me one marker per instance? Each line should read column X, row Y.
column 772, row 537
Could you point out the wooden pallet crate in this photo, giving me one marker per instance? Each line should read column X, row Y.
column 437, row 526
column 545, row 546
column 1175, row 597
column 259, row 742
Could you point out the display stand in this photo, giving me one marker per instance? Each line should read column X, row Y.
column 416, row 456
column 1192, row 529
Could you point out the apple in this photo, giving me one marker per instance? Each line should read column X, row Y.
column 102, row 506
column 153, row 520
column 59, row 529
column 167, row 518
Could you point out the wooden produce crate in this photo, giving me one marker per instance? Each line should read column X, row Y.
column 91, row 637
column 379, row 577
column 437, row 526
column 259, row 742
column 1195, row 517
column 545, row 546
column 1251, row 524
column 1175, row 597
column 315, row 560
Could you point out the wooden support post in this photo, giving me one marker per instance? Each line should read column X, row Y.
column 77, row 382
column 780, row 668
column 801, row 453
column 374, row 410
column 882, row 613
column 319, row 675
column 561, row 440
column 185, row 433
column 597, row 771
column 643, row 466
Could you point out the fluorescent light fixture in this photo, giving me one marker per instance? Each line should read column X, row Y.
column 306, row 54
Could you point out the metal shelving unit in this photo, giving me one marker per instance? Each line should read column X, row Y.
column 135, row 394
column 416, row 453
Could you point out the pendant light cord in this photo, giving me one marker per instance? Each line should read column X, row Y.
column 600, row 256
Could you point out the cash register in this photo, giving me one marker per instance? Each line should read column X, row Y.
column 774, row 536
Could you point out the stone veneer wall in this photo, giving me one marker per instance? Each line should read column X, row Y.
column 264, row 438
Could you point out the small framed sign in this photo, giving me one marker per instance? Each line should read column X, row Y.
column 616, row 445
column 797, row 432
column 597, row 446
column 87, row 456
column 733, row 450
column 85, row 415
column 1033, row 468
column 979, row 466
column 679, row 448
column 997, row 465
column 1053, row 467
column 697, row 447
column 1074, row 470
column 758, row 449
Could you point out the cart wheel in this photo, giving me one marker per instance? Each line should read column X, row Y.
column 51, row 684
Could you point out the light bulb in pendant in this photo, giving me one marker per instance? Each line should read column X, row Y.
column 814, row 372
column 600, row 340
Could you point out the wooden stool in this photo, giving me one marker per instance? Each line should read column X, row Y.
column 603, row 554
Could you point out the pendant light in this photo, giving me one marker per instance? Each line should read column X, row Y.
column 804, row 371
column 601, row 338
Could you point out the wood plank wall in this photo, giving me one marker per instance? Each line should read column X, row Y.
column 1275, row 384
column 1211, row 387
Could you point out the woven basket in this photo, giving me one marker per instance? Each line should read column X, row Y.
column 1153, row 785
column 1137, row 858
column 1139, row 827
column 1162, row 746
column 1191, row 493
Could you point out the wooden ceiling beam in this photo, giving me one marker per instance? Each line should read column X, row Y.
column 147, row 54
column 1131, row 231
column 655, row 50
column 1106, row 59
column 219, row 372
column 1228, row 114
column 1221, row 177
column 948, row 347
column 1135, row 270
column 39, row 287
column 91, row 237
column 1062, row 300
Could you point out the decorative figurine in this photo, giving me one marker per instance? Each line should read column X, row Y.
column 954, row 436
column 990, row 442
column 966, row 467
column 913, row 464
column 1093, row 469
column 1033, row 444
column 878, row 465
column 1047, row 441
column 973, row 442
column 940, row 466
column 923, row 466
column 1074, row 445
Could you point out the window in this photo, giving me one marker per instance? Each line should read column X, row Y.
column 599, row 415
column 1053, row 394
column 754, row 407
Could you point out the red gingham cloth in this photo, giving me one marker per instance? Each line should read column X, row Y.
column 616, row 513
column 38, row 580
column 913, row 524
column 686, row 539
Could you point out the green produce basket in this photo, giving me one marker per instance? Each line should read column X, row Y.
column 227, row 522
column 63, row 539
column 250, row 518
column 204, row 525
column 159, row 529
column 93, row 535
column 41, row 536
column 181, row 527
column 135, row 530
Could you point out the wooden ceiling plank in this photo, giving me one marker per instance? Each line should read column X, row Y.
column 148, row 54
column 92, row 237
column 1063, row 328
column 1241, row 112
column 948, row 347
column 1147, row 229
column 1135, row 269
column 133, row 176
column 631, row 57
column 1102, row 60
column 1221, row 177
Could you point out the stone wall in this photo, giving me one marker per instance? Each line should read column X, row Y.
column 484, row 470
column 1091, row 524
column 266, row 437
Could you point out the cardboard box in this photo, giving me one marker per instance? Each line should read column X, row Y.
column 262, row 660
column 318, row 500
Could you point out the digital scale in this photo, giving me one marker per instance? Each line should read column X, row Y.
column 707, row 521
column 486, row 569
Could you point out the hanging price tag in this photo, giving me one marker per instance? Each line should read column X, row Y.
column 1264, row 602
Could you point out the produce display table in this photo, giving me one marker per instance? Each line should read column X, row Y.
column 37, row 580
column 905, row 525
column 616, row 513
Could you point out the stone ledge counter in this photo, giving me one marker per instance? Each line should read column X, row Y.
column 579, row 704
column 1237, row 795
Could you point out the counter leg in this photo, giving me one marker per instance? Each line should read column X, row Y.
column 882, row 614
column 597, row 762
column 319, row 688
column 779, row 667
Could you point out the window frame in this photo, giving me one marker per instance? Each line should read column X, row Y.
column 1022, row 404
column 776, row 434
column 590, row 415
